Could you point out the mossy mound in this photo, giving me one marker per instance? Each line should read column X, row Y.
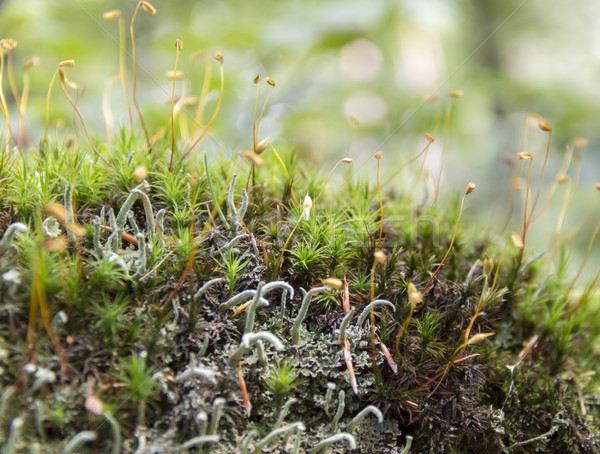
column 121, row 323
column 158, row 298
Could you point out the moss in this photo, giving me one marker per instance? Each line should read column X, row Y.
column 130, row 282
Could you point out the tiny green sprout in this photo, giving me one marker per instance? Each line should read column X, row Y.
column 281, row 381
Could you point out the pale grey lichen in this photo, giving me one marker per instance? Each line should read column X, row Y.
column 284, row 411
column 82, row 437
column 367, row 310
column 297, row 426
column 7, row 238
column 340, row 409
column 342, row 436
column 15, row 430
column 249, row 339
column 364, row 412
column 194, row 371
column 302, row 313
column 217, row 413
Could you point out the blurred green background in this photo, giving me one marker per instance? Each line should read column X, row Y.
column 351, row 77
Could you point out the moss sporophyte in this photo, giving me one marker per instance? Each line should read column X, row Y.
column 152, row 300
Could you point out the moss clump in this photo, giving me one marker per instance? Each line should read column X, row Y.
column 160, row 264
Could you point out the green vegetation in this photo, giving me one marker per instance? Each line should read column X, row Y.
column 244, row 302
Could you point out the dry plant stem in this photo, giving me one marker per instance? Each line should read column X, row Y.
column 62, row 84
column 429, row 282
column 48, row 105
column 122, row 68
column 522, row 250
column 205, row 130
column 245, row 397
column 4, row 105
column 137, row 108
column 173, row 107
column 410, row 161
column 539, row 188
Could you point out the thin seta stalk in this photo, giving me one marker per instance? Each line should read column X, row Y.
column 453, row 94
column 520, row 241
column 6, row 45
column 306, row 206
column 219, row 58
column 257, row 146
column 430, row 140
column 205, row 86
column 585, row 259
column 544, row 127
column 469, row 190
column 117, row 14
column 63, row 83
column 151, row 11
column 178, row 48
column 34, row 61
